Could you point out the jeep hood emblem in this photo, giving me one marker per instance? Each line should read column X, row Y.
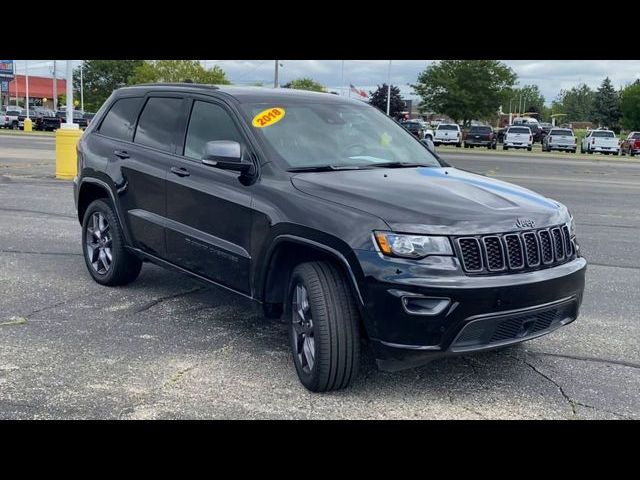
column 525, row 223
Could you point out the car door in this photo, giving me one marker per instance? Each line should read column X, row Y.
column 209, row 209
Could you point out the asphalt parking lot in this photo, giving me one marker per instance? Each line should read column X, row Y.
column 169, row 347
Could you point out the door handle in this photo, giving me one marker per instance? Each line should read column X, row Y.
column 181, row 172
column 121, row 154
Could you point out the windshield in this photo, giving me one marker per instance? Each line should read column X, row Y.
column 337, row 134
column 561, row 132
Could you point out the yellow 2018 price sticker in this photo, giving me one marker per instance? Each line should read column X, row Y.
column 268, row 117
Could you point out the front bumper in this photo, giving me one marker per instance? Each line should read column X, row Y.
column 481, row 312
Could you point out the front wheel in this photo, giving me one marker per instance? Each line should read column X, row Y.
column 529, row 149
column 458, row 145
column 107, row 260
column 323, row 327
column 504, row 147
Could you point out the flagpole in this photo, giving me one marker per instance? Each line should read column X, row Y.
column 389, row 89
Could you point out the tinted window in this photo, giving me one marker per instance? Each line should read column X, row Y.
column 447, row 127
column 157, row 124
column 519, row 130
column 480, row 130
column 561, row 132
column 209, row 122
column 119, row 121
column 603, row 134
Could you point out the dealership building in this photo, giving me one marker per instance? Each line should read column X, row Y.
column 40, row 91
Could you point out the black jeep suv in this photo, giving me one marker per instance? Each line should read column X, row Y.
column 324, row 210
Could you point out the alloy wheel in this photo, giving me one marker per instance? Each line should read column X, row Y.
column 305, row 348
column 99, row 243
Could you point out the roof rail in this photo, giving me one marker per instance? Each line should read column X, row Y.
column 176, row 84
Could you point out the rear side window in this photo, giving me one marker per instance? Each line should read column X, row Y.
column 208, row 122
column 158, row 121
column 119, row 121
column 519, row 130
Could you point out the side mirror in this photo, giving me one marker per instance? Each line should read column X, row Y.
column 429, row 144
column 226, row 155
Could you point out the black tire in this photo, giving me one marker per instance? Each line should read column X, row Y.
column 504, row 147
column 529, row 149
column 458, row 145
column 494, row 146
column 124, row 266
column 631, row 154
column 573, row 151
column 15, row 125
column 589, row 151
column 334, row 327
column 466, row 145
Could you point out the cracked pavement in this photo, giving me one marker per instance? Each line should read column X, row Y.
column 167, row 346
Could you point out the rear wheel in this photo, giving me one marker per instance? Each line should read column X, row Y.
column 458, row 145
column 631, row 154
column 107, row 260
column 504, row 147
column 529, row 149
column 323, row 327
column 466, row 145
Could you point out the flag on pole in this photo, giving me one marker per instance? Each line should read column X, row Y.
column 361, row 93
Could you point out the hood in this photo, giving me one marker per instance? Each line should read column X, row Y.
column 444, row 201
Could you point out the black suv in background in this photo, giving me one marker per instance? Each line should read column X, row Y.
column 324, row 211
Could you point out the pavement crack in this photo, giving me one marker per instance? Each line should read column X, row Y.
column 38, row 212
column 25, row 252
column 606, row 361
column 153, row 303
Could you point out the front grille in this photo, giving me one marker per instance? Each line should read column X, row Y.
column 506, row 328
column 517, row 251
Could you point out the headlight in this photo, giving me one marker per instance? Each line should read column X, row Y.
column 572, row 226
column 412, row 246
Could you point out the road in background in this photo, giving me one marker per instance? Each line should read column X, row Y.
column 169, row 347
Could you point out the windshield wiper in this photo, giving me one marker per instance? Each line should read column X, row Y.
column 324, row 168
column 399, row 165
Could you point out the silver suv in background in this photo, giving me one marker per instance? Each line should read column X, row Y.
column 448, row 134
column 560, row 139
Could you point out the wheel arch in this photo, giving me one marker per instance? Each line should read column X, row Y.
column 91, row 189
column 285, row 252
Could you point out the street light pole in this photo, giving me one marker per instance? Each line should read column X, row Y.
column 275, row 80
column 81, row 88
column 55, row 88
column 389, row 90
column 69, row 123
column 26, row 70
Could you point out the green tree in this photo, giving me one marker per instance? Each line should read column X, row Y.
column 606, row 106
column 304, row 83
column 464, row 89
column 630, row 106
column 166, row 71
column 378, row 98
column 576, row 103
column 101, row 78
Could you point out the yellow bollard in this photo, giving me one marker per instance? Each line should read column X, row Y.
column 28, row 125
column 66, row 155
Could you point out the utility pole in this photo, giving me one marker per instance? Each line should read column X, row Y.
column 69, row 114
column 342, row 79
column 389, row 89
column 275, row 80
column 81, row 88
column 55, row 88
column 26, row 69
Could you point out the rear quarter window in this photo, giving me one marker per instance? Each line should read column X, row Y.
column 119, row 121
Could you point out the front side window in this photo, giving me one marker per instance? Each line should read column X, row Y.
column 209, row 122
column 310, row 134
column 119, row 121
column 158, row 123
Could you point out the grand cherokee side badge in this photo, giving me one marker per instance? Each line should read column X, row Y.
column 525, row 223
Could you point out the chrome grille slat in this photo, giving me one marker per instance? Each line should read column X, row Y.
column 515, row 251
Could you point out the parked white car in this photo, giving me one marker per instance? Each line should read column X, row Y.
column 559, row 139
column 10, row 118
column 448, row 134
column 603, row 141
column 518, row 137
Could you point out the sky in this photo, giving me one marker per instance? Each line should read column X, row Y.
column 551, row 76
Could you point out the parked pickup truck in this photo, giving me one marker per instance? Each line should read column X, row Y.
column 11, row 118
column 559, row 139
column 448, row 133
column 480, row 136
column 631, row 144
column 603, row 141
column 517, row 137
column 45, row 120
column 78, row 118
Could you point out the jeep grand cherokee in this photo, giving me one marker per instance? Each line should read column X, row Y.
column 325, row 211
